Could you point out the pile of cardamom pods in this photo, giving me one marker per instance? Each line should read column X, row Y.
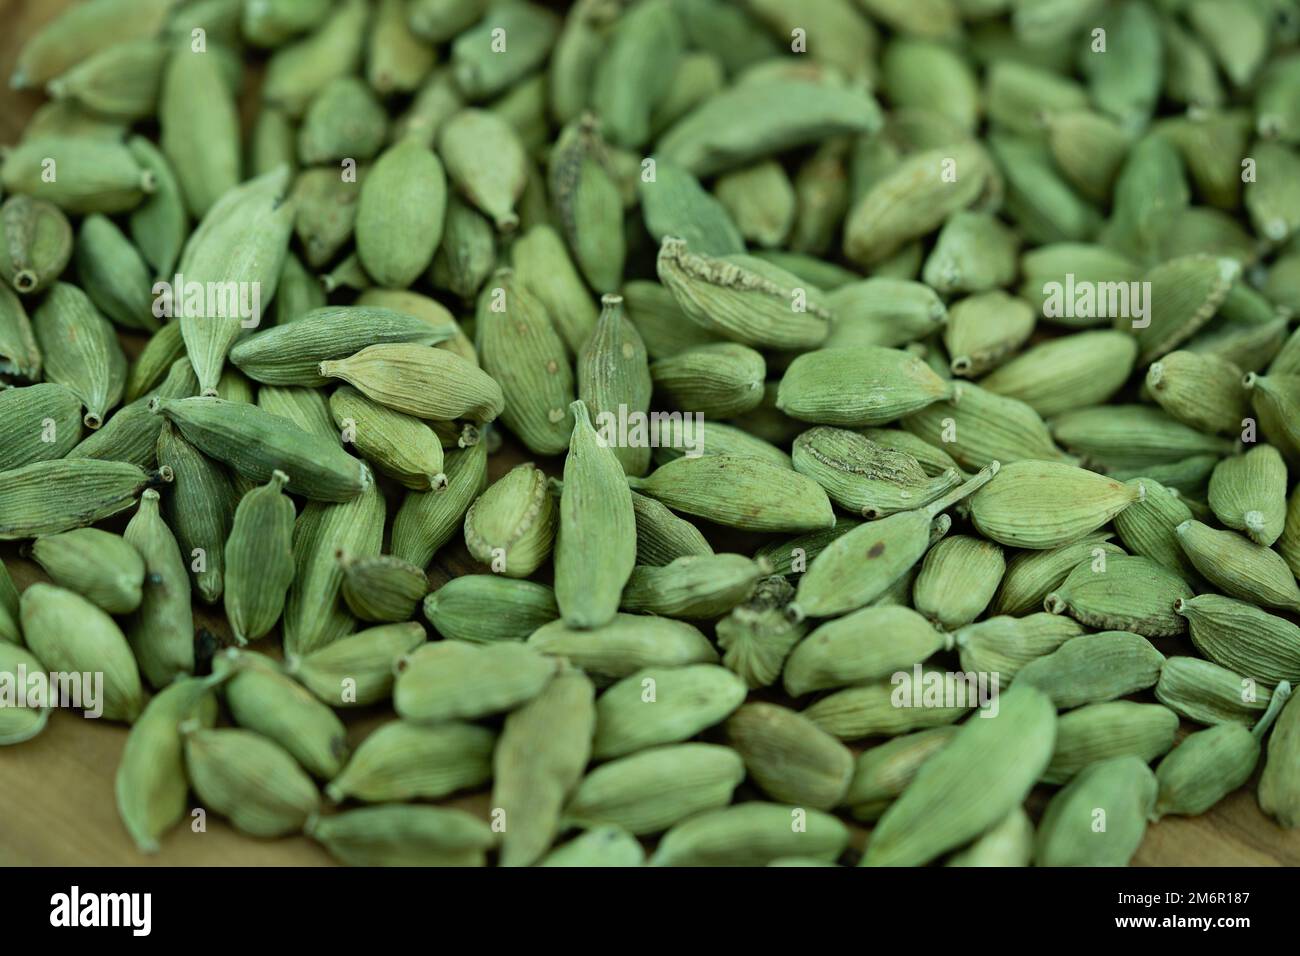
column 912, row 387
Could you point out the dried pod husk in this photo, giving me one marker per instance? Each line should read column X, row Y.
column 37, row 244
column 985, row 328
column 695, row 587
column 427, row 520
column 163, row 350
column 249, row 779
column 1120, row 437
column 614, row 378
column 1009, row 843
column 1279, row 787
column 973, row 253
column 1149, row 527
column 719, row 380
column 752, row 834
column 399, row 445
column 400, row 214
column 80, row 350
column 1248, row 493
column 243, row 239
column 483, row 608
column 357, row 670
column 424, row 382
column 1004, row 644
column 313, row 614
column 1040, row 200
column 602, row 846
column 1000, row 756
column 263, row 699
column 1046, row 504
column 543, row 265
column 1032, row 575
column 1091, row 170
column 661, row 536
column 1115, row 728
column 94, row 174
column 256, row 444
column 884, row 771
column 1289, row 544
column 914, row 199
column 625, row 645
column 588, row 204
column 486, row 162
column 757, row 635
column 1185, row 294
column 696, row 696
column 649, row 791
column 327, row 212
column 20, row 356
column 1209, row 764
column 291, row 354
column 259, row 559
column 932, row 459
column 663, row 325
column 744, row 299
column 526, row 357
column 406, row 761
column 343, row 121
column 1059, row 278
column 595, row 548
column 22, row 721
column 47, row 497
column 539, row 759
column 825, row 386
column 957, row 580
column 200, row 509
column 1243, row 637
column 977, row 427
column 456, row 680
column 739, row 492
column 865, row 477
column 299, row 70
column 151, row 787
column 673, row 203
column 403, row 835
column 1062, row 374
column 1276, row 401
column 923, row 698
column 69, row 634
column 1094, row 668
column 101, row 567
column 199, row 121
column 1202, row 691
column 1122, row 593
column 883, row 312
column 131, row 434
column 381, row 588
column 467, row 254
column 1200, row 390
column 1124, row 788
column 1270, row 198
column 853, row 649
column 1240, row 567
column 839, row 580
column 161, row 632
column 760, row 200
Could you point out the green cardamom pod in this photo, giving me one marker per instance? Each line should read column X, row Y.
column 357, row 670
column 406, row 761
column 101, row 567
column 483, row 608
column 624, row 645
column 456, row 680
column 1119, row 791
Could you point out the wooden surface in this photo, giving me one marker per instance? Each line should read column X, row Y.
column 56, row 791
